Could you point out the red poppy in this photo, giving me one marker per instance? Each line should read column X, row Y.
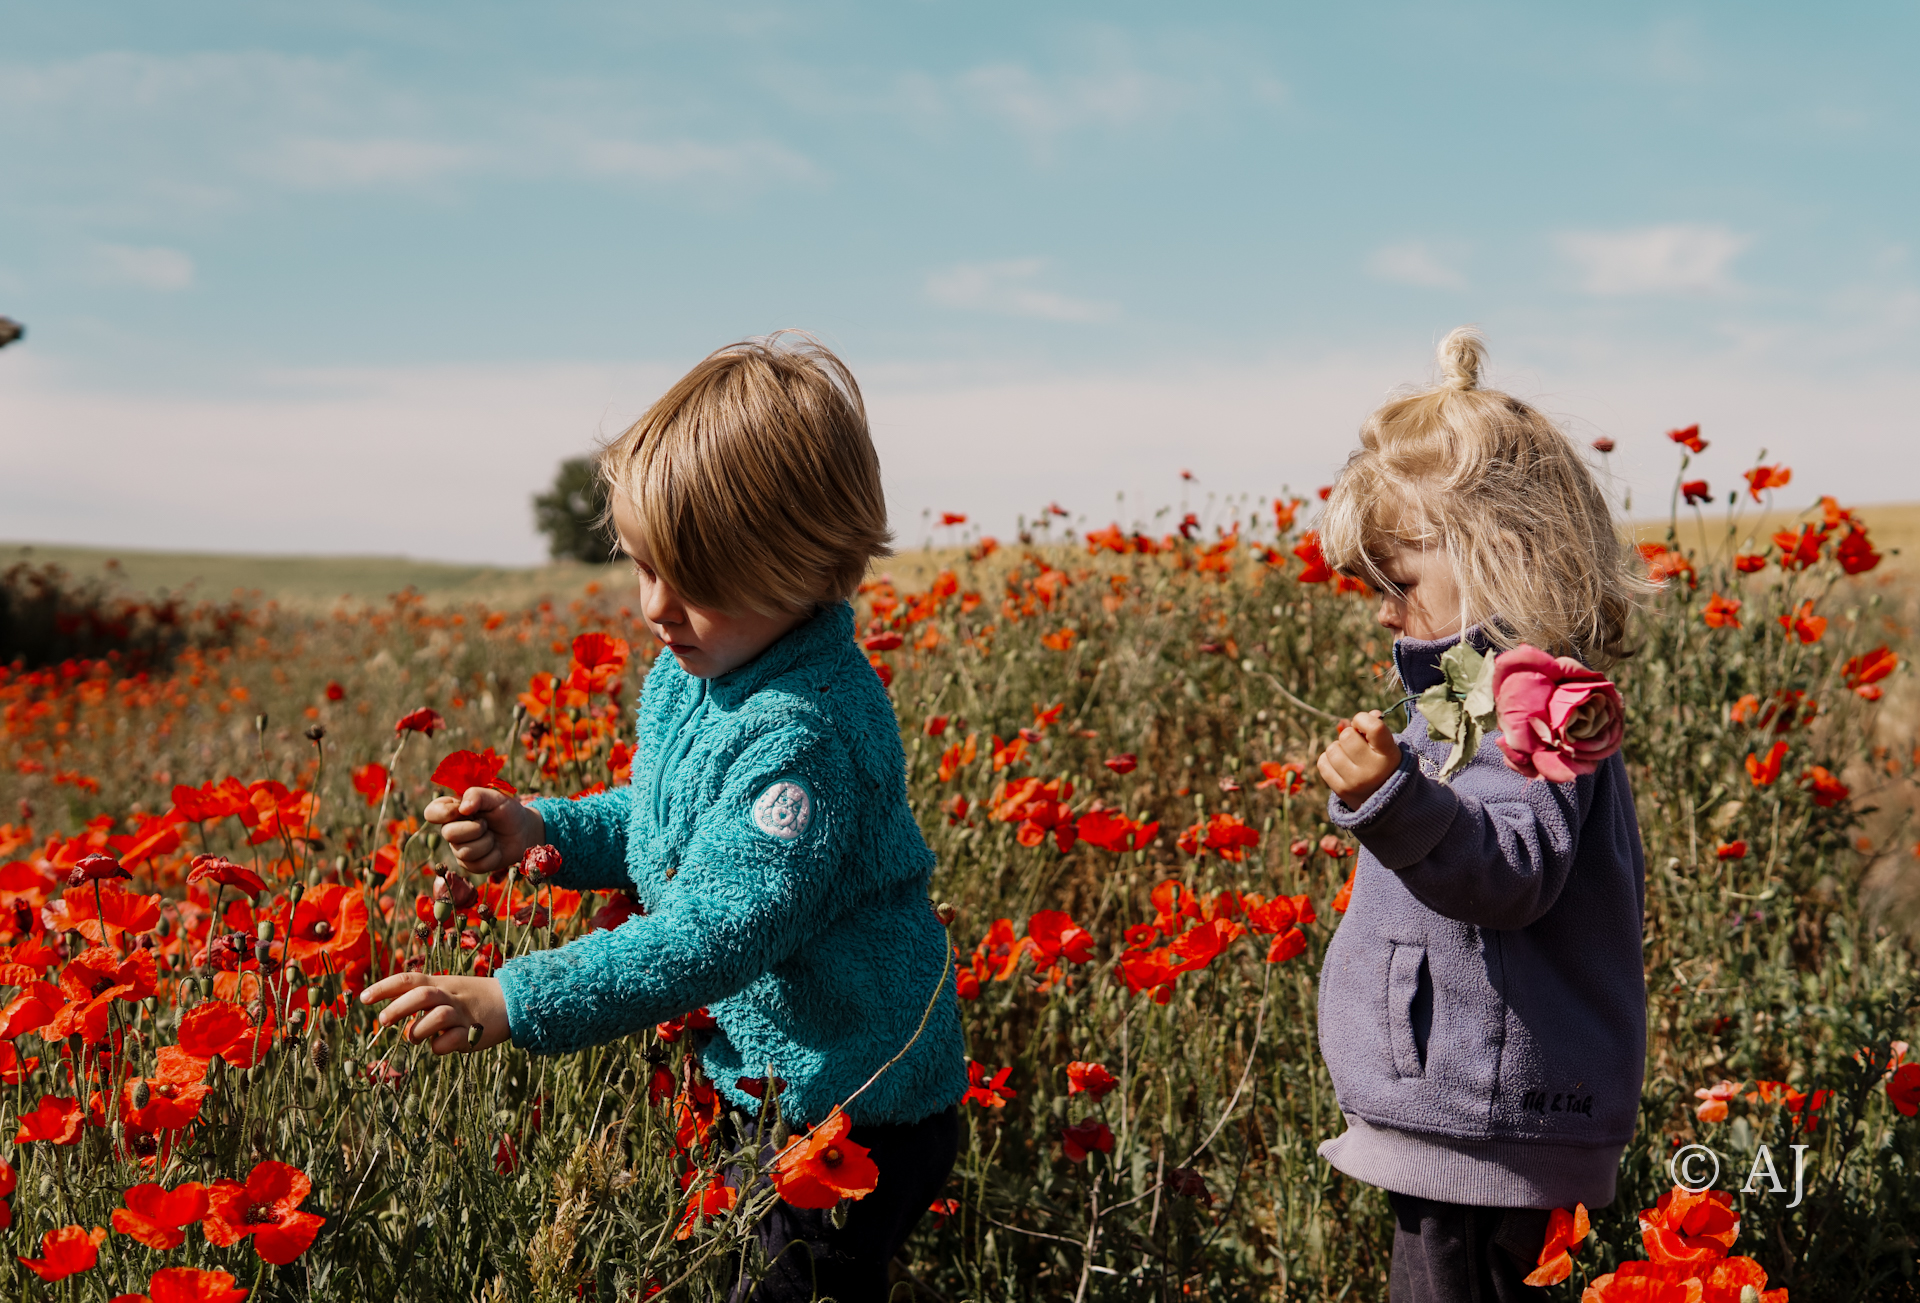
column 1804, row 624
column 335, row 692
column 331, row 919
column 1762, row 478
column 223, row 1028
column 1862, row 672
column 31, row 1010
column 706, row 1200
column 154, row 1215
column 1565, row 1230
column 1085, row 1136
column 998, row 953
column 1690, row 1227
column 13, row 1068
column 423, row 720
column 1199, row 946
column 1734, row 850
column 1722, row 612
column 1344, row 897
column 94, row 868
column 465, row 769
column 1765, row 773
column 599, row 661
column 1855, row 553
column 1903, row 1088
column 1748, row 562
column 1090, row 1079
column 1695, row 492
column 187, row 1285
column 825, row 1167
column 936, row 725
column 1690, row 436
column 966, row 982
column 66, row 1252
column 1827, row 790
column 266, row 1207
column 371, row 781
column 1285, row 778
column 227, row 874
column 1059, row 640
column 987, row 1092
column 57, row 1121
column 208, row 802
column 1316, row 570
column 1055, row 936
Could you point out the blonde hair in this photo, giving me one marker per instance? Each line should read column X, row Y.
column 1506, row 495
column 754, row 479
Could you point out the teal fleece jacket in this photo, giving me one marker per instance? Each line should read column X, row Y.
column 767, row 835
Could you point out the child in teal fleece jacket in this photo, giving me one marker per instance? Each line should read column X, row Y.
column 766, row 834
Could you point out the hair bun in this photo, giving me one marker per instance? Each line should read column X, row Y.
column 1462, row 353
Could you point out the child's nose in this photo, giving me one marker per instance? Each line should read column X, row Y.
column 661, row 606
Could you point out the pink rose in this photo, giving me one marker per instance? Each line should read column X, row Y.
column 1558, row 719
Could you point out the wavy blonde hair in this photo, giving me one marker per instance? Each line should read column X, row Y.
column 1510, row 500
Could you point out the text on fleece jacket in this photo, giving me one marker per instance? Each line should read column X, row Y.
column 1486, row 981
column 766, row 833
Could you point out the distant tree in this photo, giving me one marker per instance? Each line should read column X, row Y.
column 10, row 330
column 569, row 513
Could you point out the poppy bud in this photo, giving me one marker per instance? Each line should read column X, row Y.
column 474, row 1032
column 217, row 1067
column 189, row 988
column 423, row 931
column 256, row 1074
column 294, row 893
column 838, row 1216
column 348, row 1066
column 76, row 1045
column 781, row 1135
column 260, row 722
column 151, row 1005
column 142, row 1094
column 164, row 928
column 321, row 1053
column 946, row 913
column 315, row 732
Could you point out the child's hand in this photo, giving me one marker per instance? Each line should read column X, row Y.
column 488, row 831
column 1361, row 759
column 447, row 1005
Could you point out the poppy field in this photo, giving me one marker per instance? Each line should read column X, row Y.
column 212, row 841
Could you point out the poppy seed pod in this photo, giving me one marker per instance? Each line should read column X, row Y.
column 263, row 930
column 315, row 732
column 322, row 930
column 442, row 910
column 423, row 931
column 262, row 953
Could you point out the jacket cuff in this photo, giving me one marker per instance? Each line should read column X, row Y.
column 1404, row 820
column 589, row 836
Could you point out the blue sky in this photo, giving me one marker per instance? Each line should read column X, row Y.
column 352, row 277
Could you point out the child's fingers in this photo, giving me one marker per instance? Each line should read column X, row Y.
column 389, row 987
column 482, row 800
column 440, row 809
column 1373, row 728
column 434, row 1024
column 418, row 1000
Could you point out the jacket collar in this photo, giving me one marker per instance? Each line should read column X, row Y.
column 827, row 628
column 1417, row 661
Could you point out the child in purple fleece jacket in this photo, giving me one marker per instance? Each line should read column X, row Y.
column 1482, row 1005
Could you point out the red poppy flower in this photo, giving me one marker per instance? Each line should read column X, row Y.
column 371, row 781
column 1314, row 562
column 13, row 1068
column 31, row 1010
column 711, row 1199
column 1690, row 437
column 1862, row 672
column 541, row 862
column 987, row 1092
column 423, row 720
column 223, row 1028
column 227, row 874
column 94, row 868
column 1734, row 850
column 1125, row 763
column 1722, row 612
column 1055, row 936
column 154, row 1215
column 1694, row 491
column 465, row 769
column 1090, row 1079
column 1804, row 624
column 1762, row 478
column 599, row 661
column 825, row 1167
column 266, row 1207
column 210, row 801
column 187, row 1285
column 1565, row 1230
column 1903, row 1088
column 1285, row 778
column 1085, row 1136
column 966, row 982
column 66, row 1252
column 1827, row 790
column 57, row 1121
column 1748, row 563
column 1764, row 773
column 1344, row 897
column 331, row 919
column 1689, row 1227
column 1855, row 553
column 335, row 692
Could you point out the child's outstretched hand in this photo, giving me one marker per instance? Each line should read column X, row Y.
column 487, row 831
column 1361, row 759
column 447, row 1006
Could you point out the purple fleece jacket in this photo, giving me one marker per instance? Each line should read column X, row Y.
column 1482, row 1004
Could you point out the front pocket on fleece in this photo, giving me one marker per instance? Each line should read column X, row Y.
column 1409, row 1008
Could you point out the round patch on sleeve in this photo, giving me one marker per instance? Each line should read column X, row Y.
column 783, row 810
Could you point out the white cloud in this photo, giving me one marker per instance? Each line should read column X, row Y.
column 1042, row 107
column 148, row 268
column 1008, row 288
column 314, row 163
column 1415, row 263
column 690, row 160
column 1677, row 258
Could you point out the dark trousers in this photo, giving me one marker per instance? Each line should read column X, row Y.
column 811, row 1258
column 1456, row 1253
